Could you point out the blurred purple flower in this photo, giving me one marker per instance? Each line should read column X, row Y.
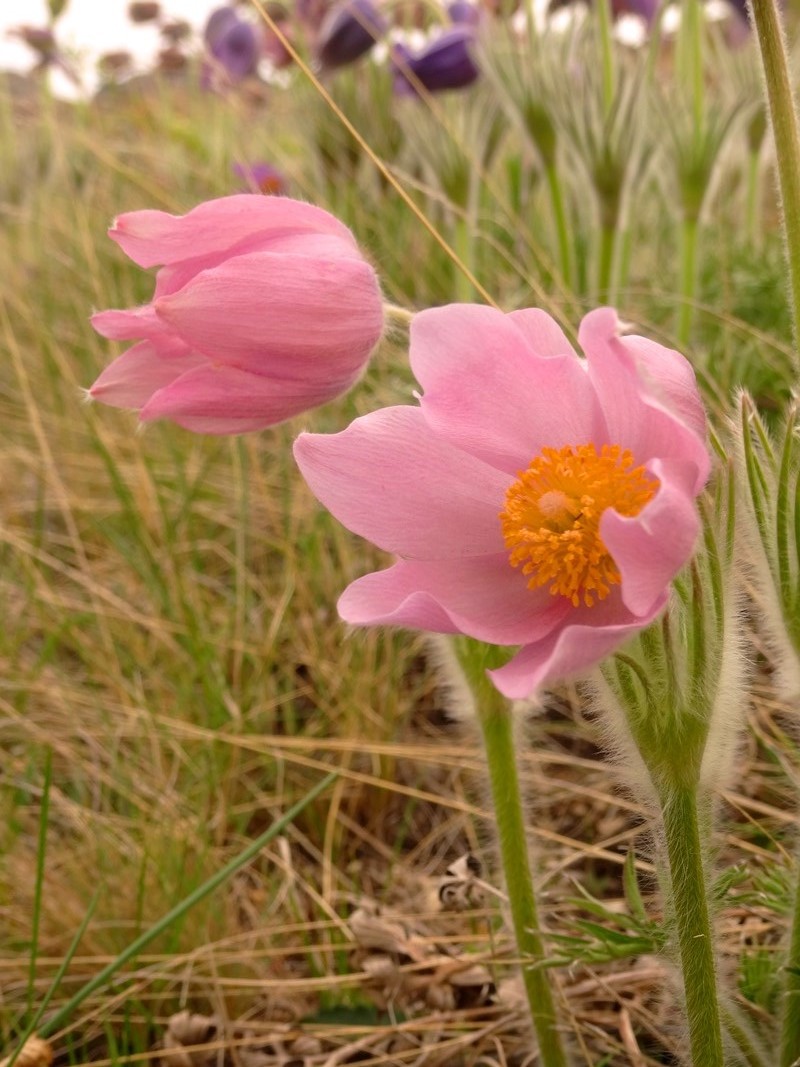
column 645, row 9
column 348, row 31
column 464, row 13
column 260, row 178
column 233, row 43
column 445, row 63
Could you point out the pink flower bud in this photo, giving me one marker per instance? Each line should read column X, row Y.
column 263, row 308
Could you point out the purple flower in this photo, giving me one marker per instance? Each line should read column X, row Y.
column 233, row 43
column 446, row 63
column 464, row 13
column 645, row 9
column 260, row 178
column 348, row 31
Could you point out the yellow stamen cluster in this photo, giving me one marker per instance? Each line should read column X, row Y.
column 551, row 518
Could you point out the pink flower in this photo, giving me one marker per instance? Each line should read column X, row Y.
column 534, row 498
column 264, row 307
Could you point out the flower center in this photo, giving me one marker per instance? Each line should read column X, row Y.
column 551, row 518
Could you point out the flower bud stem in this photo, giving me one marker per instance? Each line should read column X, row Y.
column 690, row 903
column 767, row 20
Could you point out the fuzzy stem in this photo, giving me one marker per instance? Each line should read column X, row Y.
column 790, row 1036
column 605, row 269
column 690, row 903
column 688, row 278
column 496, row 722
column 498, row 737
column 560, row 216
column 753, row 199
column 767, row 19
column 606, row 53
column 692, row 57
column 463, row 246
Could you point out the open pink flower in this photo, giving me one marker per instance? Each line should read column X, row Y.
column 264, row 307
column 534, row 498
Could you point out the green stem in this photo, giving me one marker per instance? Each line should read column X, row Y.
column 753, row 198
column 560, row 216
column 494, row 714
column 688, row 293
column 606, row 53
column 766, row 16
column 605, row 266
column 790, row 1030
column 463, row 246
column 691, row 45
column 690, row 904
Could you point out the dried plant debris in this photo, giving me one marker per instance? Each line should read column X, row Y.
column 406, row 968
column 190, row 1041
column 36, row 1052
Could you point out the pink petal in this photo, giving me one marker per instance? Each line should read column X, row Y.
column 155, row 237
column 129, row 324
column 482, row 596
column 174, row 277
column 391, row 479
column 133, row 377
column 282, row 315
column 671, row 377
column 637, row 418
column 542, row 332
column 217, row 399
column 652, row 547
column 565, row 652
column 489, row 392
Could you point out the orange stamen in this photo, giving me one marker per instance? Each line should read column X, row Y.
column 551, row 518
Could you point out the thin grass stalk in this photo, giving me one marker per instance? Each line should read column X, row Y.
column 182, row 907
column 41, row 851
column 783, row 115
column 30, row 1029
column 690, row 893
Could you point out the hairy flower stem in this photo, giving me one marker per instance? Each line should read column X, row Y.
column 688, row 294
column 767, row 19
column 753, row 199
column 606, row 290
column 496, row 724
column 562, row 229
column 691, row 57
column 790, row 1028
column 690, row 904
column 463, row 246
column 606, row 53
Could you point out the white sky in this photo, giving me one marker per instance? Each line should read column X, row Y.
column 89, row 28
